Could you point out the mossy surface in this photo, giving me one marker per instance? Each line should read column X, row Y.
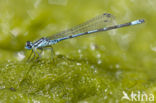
column 97, row 68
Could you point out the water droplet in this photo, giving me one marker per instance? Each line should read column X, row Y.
column 92, row 66
column 78, row 63
column 57, row 53
column 37, row 3
column 99, row 61
column 20, row 56
column 79, row 51
column 98, row 55
column 153, row 48
column 117, row 66
column 105, row 97
column 15, row 32
column 92, row 46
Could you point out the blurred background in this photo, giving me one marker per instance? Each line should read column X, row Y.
column 25, row 20
column 131, row 48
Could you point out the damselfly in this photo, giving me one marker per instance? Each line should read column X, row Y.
column 96, row 24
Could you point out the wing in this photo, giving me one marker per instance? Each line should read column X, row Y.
column 95, row 23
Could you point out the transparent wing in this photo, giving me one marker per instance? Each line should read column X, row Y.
column 95, row 23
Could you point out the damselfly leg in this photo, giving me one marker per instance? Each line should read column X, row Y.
column 52, row 52
column 39, row 55
column 31, row 58
column 36, row 55
column 30, row 55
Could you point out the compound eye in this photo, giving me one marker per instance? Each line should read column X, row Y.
column 28, row 44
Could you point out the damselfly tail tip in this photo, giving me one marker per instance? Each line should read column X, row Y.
column 137, row 21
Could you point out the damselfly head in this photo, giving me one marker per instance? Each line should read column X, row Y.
column 28, row 45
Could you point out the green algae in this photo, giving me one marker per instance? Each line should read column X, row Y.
column 90, row 69
column 69, row 81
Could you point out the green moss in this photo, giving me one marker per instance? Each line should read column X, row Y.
column 68, row 81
